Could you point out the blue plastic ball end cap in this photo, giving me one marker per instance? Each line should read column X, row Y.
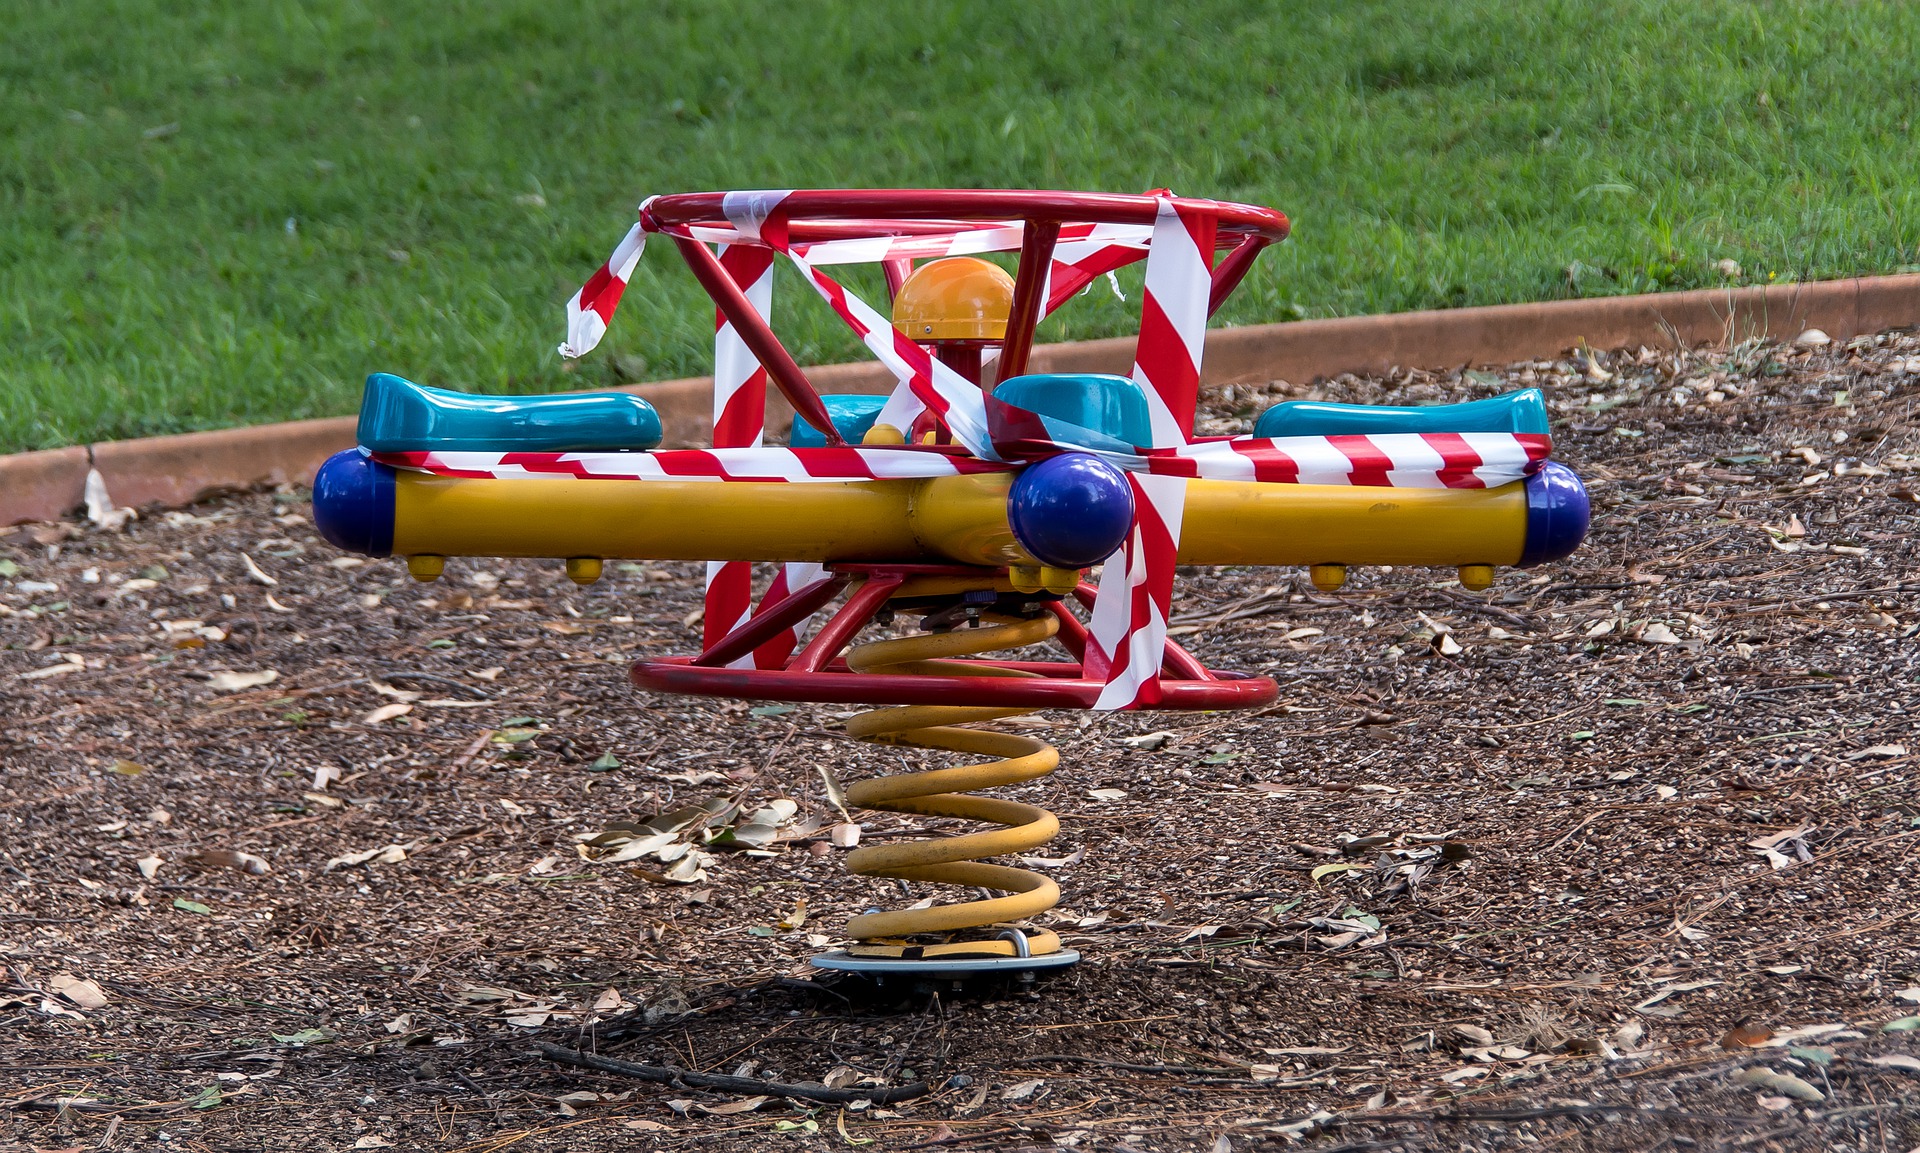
column 1557, row 514
column 353, row 503
column 1071, row 510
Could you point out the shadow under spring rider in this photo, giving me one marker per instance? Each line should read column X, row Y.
column 969, row 501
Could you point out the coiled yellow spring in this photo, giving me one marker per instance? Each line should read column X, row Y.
column 955, row 860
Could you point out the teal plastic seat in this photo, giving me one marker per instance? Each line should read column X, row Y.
column 397, row 415
column 1110, row 405
column 1107, row 404
column 1523, row 411
column 852, row 416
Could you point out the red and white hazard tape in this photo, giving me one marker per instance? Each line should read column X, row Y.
column 1127, row 634
column 1128, row 627
column 1396, row 460
column 739, row 421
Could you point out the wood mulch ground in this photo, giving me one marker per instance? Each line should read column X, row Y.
column 1623, row 851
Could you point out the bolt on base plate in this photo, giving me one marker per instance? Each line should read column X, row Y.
column 956, row 968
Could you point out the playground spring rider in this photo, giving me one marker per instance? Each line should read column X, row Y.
column 968, row 501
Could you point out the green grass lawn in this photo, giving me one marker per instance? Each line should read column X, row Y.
column 217, row 214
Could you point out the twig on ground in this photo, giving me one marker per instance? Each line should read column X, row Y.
column 94, row 1106
column 1127, row 1066
column 1446, row 948
column 1548, row 1112
column 1467, row 603
column 486, row 1098
column 405, row 676
column 952, row 1138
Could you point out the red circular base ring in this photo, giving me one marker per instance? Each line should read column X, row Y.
column 836, row 686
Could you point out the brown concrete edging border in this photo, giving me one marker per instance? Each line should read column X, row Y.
column 42, row 485
column 175, row 470
column 179, row 469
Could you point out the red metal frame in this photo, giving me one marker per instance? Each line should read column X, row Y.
column 758, row 336
column 1228, row 274
column 675, row 675
column 817, row 673
column 812, row 215
column 763, row 626
column 1036, row 254
column 861, row 607
column 896, row 270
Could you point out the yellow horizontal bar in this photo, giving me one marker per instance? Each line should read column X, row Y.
column 1237, row 522
column 944, row 519
column 653, row 519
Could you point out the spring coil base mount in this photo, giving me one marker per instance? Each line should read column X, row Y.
column 894, row 941
column 939, row 685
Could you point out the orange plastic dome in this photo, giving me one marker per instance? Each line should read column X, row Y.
column 957, row 298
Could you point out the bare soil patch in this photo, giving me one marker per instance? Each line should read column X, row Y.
column 1628, row 839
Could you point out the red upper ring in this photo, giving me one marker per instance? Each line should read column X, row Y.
column 833, row 214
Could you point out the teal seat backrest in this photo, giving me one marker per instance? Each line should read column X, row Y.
column 397, row 415
column 1101, row 401
column 852, row 416
column 1523, row 411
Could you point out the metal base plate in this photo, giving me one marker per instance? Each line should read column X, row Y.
column 955, row 968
